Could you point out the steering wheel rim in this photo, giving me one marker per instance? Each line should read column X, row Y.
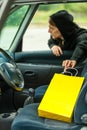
column 8, row 57
column 11, row 73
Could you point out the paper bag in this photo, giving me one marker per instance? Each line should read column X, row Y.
column 60, row 97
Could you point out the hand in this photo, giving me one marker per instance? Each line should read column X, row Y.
column 68, row 63
column 57, row 51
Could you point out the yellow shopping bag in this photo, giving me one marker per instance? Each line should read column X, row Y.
column 60, row 97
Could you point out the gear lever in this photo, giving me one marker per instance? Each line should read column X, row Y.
column 30, row 98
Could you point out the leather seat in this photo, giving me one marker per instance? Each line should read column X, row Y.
column 28, row 118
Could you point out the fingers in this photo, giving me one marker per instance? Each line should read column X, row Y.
column 68, row 63
column 57, row 50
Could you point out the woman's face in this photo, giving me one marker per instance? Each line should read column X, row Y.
column 54, row 31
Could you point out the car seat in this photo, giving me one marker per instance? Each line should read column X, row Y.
column 28, row 118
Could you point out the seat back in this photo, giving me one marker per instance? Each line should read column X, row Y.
column 84, row 72
column 81, row 105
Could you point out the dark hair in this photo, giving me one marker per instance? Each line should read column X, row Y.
column 51, row 22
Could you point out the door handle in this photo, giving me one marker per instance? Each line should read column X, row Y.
column 30, row 74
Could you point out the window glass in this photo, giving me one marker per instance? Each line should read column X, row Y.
column 11, row 27
column 36, row 36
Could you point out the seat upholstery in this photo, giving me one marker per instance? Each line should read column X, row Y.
column 81, row 105
column 39, row 92
column 28, row 118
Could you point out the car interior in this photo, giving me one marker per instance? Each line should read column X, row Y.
column 27, row 62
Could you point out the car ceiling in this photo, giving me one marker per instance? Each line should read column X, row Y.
column 46, row 1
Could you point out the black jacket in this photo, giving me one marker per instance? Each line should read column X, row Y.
column 77, row 42
column 74, row 36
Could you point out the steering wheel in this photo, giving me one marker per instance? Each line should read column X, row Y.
column 10, row 72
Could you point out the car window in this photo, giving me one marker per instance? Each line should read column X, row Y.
column 36, row 35
column 11, row 27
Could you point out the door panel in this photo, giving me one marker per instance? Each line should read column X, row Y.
column 41, row 57
column 39, row 67
column 36, row 75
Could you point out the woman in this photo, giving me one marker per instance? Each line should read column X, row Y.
column 67, row 35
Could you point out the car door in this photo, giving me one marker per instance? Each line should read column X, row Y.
column 36, row 60
column 38, row 67
column 27, row 40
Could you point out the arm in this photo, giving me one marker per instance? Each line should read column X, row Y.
column 79, row 53
column 51, row 42
column 55, row 46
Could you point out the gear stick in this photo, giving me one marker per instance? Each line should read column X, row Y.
column 30, row 98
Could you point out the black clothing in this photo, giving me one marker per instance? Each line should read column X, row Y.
column 64, row 21
column 75, row 38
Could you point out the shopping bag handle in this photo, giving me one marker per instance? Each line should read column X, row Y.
column 71, row 72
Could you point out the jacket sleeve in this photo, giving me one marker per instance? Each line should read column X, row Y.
column 52, row 42
column 81, row 49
